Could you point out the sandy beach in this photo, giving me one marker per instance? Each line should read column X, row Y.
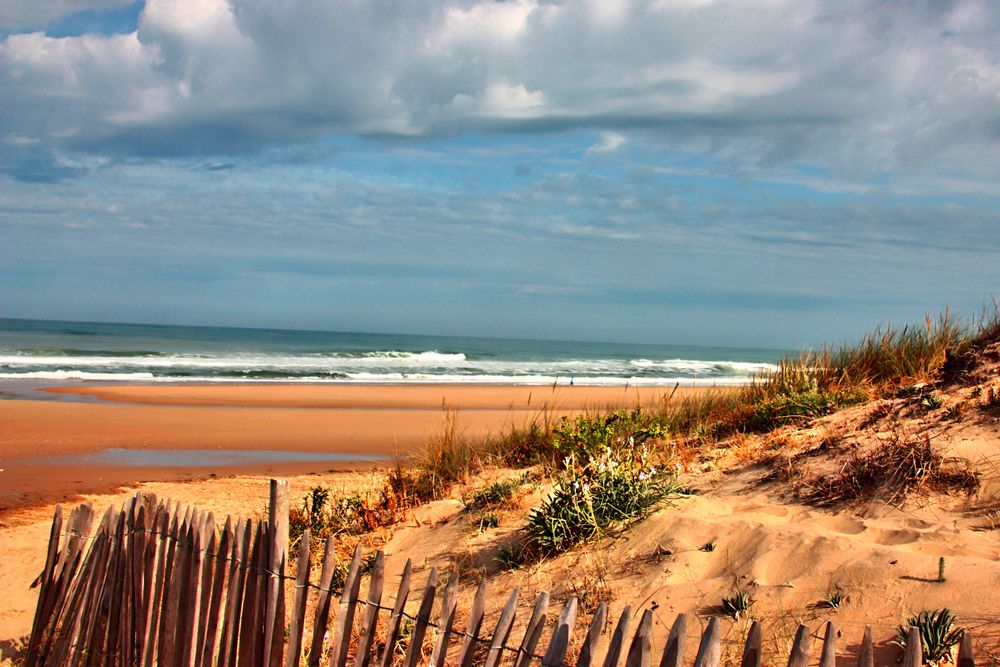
column 36, row 437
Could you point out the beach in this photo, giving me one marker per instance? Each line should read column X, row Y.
column 52, row 450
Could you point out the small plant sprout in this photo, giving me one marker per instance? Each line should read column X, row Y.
column 931, row 401
column 510, row 557
column 707, row 546
column 941, row 570
column 938, row 634
column 487, row 521
column 833, row 599
column 737, row 604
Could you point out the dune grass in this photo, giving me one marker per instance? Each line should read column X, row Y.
column 897, row 467
column 577, row 452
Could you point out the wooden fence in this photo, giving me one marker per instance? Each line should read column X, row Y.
column 154, row 586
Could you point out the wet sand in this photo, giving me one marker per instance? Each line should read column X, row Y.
column 380, row 421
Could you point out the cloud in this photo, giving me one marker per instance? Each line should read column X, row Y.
column 609, row 142
column 863, row 87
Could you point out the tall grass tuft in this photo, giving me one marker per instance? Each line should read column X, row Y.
column 895, row 468
column 888, row 357
column 448, row 457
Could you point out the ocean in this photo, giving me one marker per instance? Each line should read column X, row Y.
column 137, row 353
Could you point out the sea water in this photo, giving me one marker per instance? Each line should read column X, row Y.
column 33, row 350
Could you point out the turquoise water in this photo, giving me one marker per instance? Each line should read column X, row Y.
column 32, row 350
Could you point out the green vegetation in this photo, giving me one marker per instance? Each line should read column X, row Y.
column 592, row 496
column 487, row 521
column 588, row 435
column 494, row 494
column 833, row 600
column 737, row 605
column 938, row 634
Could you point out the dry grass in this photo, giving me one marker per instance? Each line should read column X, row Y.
column 449, row 457
column 895, row 468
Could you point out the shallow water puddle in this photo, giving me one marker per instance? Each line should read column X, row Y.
column 171, row 458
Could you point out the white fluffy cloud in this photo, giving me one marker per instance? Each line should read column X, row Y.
column 861, row 86
column 608, row 143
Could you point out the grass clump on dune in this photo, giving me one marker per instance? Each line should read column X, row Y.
column 895, row 468
column 448, row 458
column 594, row 495
column 938, row 634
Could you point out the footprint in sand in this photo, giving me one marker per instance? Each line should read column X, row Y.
column 769, row 510
column 897, row 537
column 849, row 525
column 845, row 525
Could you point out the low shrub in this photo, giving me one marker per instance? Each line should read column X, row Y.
column 938, row 634
column 487, row 521
column 493, row 495
column 586, row 436
column 356, row 514
column 800, row 407
column 737, row 605
column 895, row 468
column 594, row 495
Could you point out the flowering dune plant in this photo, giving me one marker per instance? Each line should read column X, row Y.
column 597, row 494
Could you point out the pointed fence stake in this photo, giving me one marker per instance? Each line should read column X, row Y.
column 445, row 621
column 799, row 657
column 474, row 625
column 555, row 656
column 965, row 654
column 502, row 631
column 642, row 644
column 593, row 636
column 397, row 615
column 322, row 619
column 673, row 652
column 710, row 648
column 829, row 657
column 866, row 654
column 913, row 655
column 415, row 650
column 533, row 632
column 752, row 650
column 302, row 562
column 618, row 638
column 375, row 583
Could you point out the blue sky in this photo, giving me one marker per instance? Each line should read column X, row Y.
column 777, row 174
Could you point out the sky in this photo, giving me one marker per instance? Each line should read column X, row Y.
column 776, row 173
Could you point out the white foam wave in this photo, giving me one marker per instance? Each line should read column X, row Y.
column 700, row 366
column 388, row 378
column 413, row 363
column 81, row 375
column 244, row 361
